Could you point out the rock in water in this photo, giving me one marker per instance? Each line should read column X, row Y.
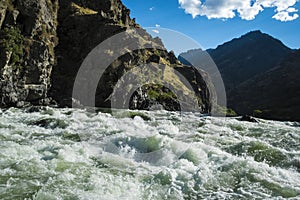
column 248, row 118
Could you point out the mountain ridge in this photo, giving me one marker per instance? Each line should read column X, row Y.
column 245, row 60
column 249, row 55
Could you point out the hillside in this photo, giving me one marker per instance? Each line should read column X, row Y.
column 259, row 73
column 44, row 43
column 276, row 93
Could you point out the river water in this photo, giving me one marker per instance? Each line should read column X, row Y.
column 51, row 153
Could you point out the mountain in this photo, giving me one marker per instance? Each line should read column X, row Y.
column 274, row 94
column 44, row 44
column 250, row 67
column 247, row 56
column 244, row 57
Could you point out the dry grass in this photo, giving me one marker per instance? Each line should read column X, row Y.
column 82, row 11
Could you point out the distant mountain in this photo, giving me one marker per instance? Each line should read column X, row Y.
column 247, row 56
column 259, row 72
column 244, row 57
column 275, row 94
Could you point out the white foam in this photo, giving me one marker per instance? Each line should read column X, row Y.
column 169, row 156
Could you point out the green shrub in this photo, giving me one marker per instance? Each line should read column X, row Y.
column 224, row 111
column 159, row 92
column 231, row 113
column 153, row 94
column 257, row 113
column 13, row 41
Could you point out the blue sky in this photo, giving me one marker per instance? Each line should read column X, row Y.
column 213, row 22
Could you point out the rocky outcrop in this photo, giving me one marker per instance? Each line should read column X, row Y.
column 83, row 26
column 28, row 38
column 44, row 43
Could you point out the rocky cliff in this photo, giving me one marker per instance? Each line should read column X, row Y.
column 44, row 43
column 28, row 37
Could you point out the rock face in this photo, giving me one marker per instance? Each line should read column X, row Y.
column 83, row 26
column 44, row 43
column 28, row 38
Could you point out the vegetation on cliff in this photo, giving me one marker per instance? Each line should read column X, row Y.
column 12, row 42
column 47, row 41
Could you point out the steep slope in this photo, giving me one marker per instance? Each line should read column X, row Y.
column 84, row 25
column 44, row 43
column 275, row 93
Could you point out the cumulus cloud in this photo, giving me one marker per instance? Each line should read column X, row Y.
column 191, row 6
column 245, row 9
column 285, row 16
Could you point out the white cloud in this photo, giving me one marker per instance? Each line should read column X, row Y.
column 285, row 16
column 151, row 9
column 191, row 6
column 246, row 9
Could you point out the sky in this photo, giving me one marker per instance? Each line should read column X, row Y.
column 212, row 22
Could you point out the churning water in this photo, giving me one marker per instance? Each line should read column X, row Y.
column 74, row 154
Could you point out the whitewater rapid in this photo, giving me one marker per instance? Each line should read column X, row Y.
column 51, row 153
